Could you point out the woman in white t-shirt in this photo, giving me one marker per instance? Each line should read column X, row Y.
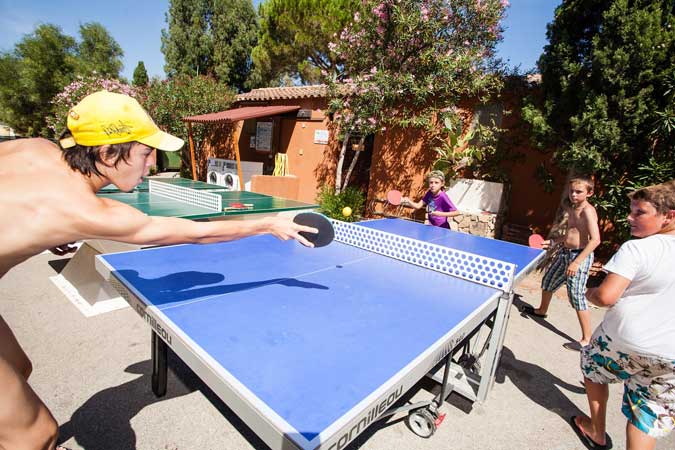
column 635, row 343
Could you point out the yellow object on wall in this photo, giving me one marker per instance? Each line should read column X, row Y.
column 280, row 165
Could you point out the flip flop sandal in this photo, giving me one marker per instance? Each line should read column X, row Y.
column 529, row 310
column 585, row 439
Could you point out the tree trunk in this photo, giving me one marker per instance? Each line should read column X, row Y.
column 341, row 161
column 353, row 163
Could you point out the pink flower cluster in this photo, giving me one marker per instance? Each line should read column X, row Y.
column 381, row 12
column 423, row 37
column 77, row 90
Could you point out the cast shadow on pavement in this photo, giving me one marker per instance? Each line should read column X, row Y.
column 539, row 385
column 385, row 422
column 58, row 264
column 103, row 422
column 518, row 304
column 536, row 383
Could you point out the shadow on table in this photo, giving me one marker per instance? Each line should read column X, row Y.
column 190, row 285
column 103, row 422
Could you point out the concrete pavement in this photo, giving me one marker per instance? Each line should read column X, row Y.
column 93, row 373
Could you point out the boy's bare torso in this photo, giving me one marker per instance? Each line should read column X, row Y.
column 578, row 232
column 41, row 198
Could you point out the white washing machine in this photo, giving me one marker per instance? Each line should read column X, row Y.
column 231, row 181
column 214, row 177
column 223, row 172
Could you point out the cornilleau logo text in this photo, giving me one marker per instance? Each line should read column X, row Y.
column 448, row 347
column 367, row 419
column 154, row 324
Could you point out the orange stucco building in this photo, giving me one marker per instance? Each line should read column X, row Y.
column 394, row 159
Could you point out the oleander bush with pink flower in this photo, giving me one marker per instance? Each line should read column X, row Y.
column 76, row 91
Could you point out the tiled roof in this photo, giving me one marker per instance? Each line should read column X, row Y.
column 283, row 93
column 236, row 114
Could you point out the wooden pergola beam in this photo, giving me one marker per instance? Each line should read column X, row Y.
column 192, row 151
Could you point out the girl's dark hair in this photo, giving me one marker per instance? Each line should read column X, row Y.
column 84, row 159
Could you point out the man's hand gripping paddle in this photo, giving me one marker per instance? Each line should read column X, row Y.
column 320, row 222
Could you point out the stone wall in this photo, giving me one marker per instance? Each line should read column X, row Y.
column 484, row 224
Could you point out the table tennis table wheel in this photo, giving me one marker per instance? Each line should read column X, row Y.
column 422, row 422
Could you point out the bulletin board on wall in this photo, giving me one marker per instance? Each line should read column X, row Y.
column 263, row 136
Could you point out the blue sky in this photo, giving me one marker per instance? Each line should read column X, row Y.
column 136, row 26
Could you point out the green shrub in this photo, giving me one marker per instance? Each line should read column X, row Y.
column 332, row 204
column 169, row 101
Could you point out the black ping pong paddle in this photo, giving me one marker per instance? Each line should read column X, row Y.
column 320, row 222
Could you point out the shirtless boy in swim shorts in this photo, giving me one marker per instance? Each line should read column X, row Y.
column 573, row 262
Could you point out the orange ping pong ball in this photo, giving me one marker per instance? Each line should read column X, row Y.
column 346, row 211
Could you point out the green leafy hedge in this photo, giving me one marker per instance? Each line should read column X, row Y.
column 332, row 204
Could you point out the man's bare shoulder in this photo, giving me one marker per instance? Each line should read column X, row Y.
column 26, row 144
column 26, row 154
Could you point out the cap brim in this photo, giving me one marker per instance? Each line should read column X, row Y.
column 163, row 141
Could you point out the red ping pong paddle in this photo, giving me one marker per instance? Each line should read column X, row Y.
column 238, row 205
column 320, row 222
column 536, row 241
column 394, row 197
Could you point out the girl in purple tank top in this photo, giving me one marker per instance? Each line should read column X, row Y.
column 438, row 204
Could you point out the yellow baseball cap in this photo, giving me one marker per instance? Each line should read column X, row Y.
column 109, row 118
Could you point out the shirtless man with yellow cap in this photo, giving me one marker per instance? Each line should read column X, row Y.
column 49, row 199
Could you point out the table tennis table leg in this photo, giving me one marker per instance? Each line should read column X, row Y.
column 495, row 346
column 159, row 365
column 446, row 388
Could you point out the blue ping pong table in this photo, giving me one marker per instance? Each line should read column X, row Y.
column 311, row 346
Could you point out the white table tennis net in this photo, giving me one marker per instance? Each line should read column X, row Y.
column 457, row 263
column 189, row 196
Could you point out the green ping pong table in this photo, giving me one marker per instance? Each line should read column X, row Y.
column 167, row 197
column 169, row 205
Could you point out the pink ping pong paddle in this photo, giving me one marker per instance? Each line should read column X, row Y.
column 536, row 241
column 394, row 197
